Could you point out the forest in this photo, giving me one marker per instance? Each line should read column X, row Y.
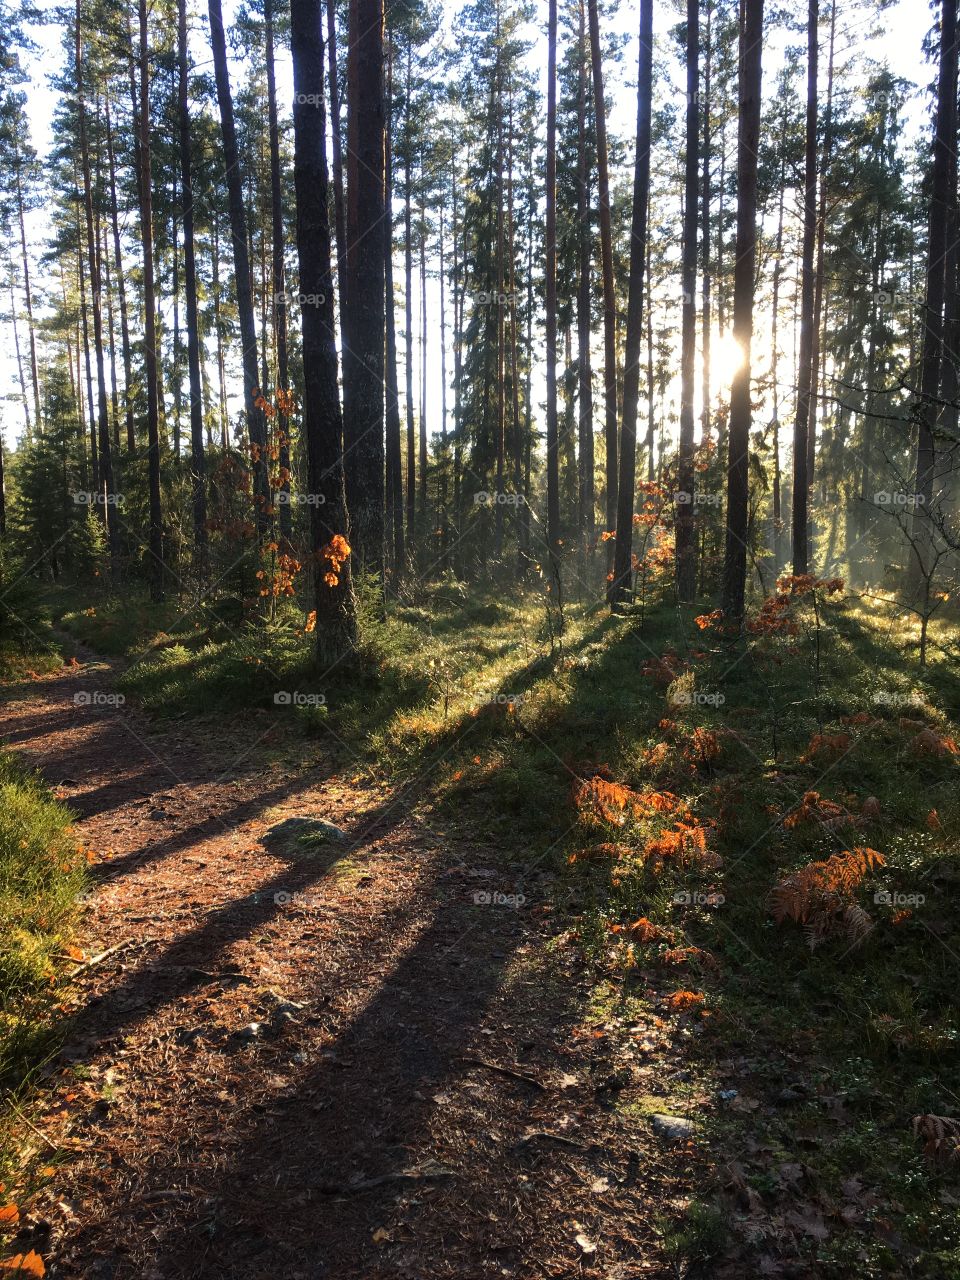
column 479, row 639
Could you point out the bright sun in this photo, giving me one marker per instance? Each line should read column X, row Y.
column 726, row 357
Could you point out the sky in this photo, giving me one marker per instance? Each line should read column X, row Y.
column 899, row 44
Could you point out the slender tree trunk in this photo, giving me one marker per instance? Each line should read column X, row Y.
column 88, row 363
column 197, row 458
column 705, row 420
column 424, row 521
column 106, row 491
column 801, row 481
column 931, row 361
column 408, row 321
column 19, row 359
column 553, row 462
column 279, row 286
column 748, row 141
column 609, row 295
column 121, row 286
column 335, row 612
column 256, row 423
column 586, row 497
column 623, row 563
column 818, row 281
column 775, row 356
column 218, row 327
column 150, row 319
column 686, row 533
column 363, row 360
column 394, row 447
column 27, row 290
column 336, row 151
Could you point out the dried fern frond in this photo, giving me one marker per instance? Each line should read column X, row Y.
column 940, row 1136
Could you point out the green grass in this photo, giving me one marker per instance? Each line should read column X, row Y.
column 41, row 878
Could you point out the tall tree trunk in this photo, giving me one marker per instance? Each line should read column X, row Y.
column 256, row 422
column 623, row 562
column 218, row 327
column 424, row 522
column 363, row 359
column 408, row 321
column 329, row 530
column 801, row 481
column 686, row 534
column 394, row 447
column 775, row 355
column 279, row 286
column 705, row 322
column 27, row 291
column 586, row 503
column 150, row 319
column 106, row 491
column 197, row 458
column 931, row 361
column 606, row 260
column 336, row 151
column 553, row 461
column 19, row 359
column 748, row 141
column 88, row 363
column 121, row 285
column 819, row 324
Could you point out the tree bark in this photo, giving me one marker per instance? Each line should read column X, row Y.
column 931, row 360
column 279, row 286
column 586, row 497
column 150, row 320
column 363, row 356
column 606, row 259
column 197, row 458
column 256, row 423
column 686, row 477
column 553, row 461
column 623, row 560
column 748, row 140
column 335, row 611
column 801, row 481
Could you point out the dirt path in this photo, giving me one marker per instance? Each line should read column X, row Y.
column 285, row 1066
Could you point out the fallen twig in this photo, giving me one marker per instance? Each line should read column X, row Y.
column 507, row 1071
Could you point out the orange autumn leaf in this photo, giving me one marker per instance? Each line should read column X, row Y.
column 24, row 1264
column 76, row 954
column 681, row 1000
column 933, row 821
column 9, row 1213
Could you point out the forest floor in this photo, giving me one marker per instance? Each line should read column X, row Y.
column 371, row 989
column 369, row 1078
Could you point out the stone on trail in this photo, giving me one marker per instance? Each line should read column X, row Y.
column 675, row 1128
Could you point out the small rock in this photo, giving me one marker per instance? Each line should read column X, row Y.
column 249, row 1033
column 675, row 1128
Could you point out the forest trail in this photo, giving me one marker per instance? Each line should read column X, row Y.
column 324, row 1060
